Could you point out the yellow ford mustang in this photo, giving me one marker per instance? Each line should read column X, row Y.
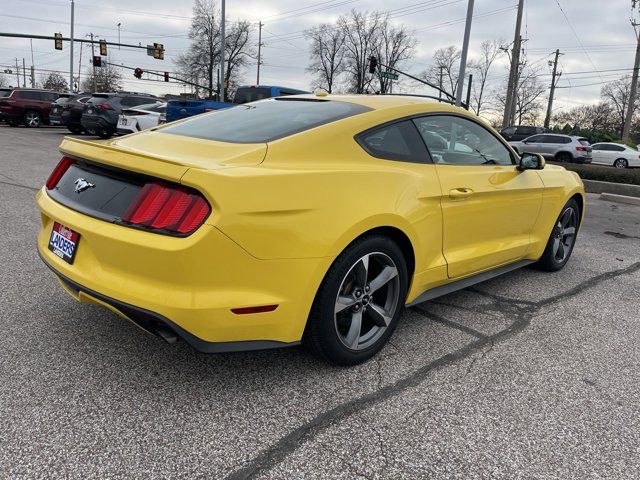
column 304, row 218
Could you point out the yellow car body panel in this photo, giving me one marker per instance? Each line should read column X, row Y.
column 282, row 211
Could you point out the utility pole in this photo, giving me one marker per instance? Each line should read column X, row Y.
column 222, row 49
column 119, row 25
column 465, row 50
column 259, row 51
column 24, row 73
column 71, row 50
column 33, row 70
column 93, row 53
column 17, row 73
column 634, row 88
column 441, row 68
column 512, row 86
column 547, row 119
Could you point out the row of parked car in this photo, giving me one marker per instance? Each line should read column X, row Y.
column 101, row 114
column 105, row 114
column 568, row 148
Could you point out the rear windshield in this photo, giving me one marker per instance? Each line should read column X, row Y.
column 584, row 141
column 250, row 94
column 264, row 121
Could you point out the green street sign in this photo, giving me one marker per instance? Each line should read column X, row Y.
column 389, row 75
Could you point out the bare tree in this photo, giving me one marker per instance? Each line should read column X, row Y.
column 361, row 42
column 55, row 81
column 599, row 117
column 108, row 79
column 203, row 55
column 529, row 95
column 395, row 44
column 446, row 62
column 3, row 80
column 327, row 55
column 489, row 51
column 238, row 52
column 617, row 94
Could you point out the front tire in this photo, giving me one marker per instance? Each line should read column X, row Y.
column 359, row 302
column 621, row 163
column 562, row 239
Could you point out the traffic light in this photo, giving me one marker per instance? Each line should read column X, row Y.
column 158, row 51
column 373, row 64
column 103, row 47
column 166, row 76
column 97, row 61
column 58, row 41
column 138, row 72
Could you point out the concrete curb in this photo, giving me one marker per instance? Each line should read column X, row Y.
column 612, row 197
column 595, row 186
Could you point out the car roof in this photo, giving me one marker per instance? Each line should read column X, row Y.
column 380, row 102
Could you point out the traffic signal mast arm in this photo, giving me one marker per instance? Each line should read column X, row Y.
column 165, row 75
column 374, row 61
column 75, row 40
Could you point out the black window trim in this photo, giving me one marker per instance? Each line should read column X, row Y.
column 357, row 138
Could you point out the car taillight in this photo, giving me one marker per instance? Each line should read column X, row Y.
column 104, row 106
column 58, row 172
column 162, row 207
column 581, row 149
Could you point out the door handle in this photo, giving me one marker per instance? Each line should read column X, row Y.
column 460, row 193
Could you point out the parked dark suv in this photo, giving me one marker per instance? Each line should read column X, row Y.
column 515, row 133
column 55, row 114
column 101, row 112
column 28, row 106
column 72, row 112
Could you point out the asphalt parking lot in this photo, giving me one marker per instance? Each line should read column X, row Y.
column 531, row 375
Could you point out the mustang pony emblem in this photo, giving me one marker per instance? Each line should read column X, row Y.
column 82, row 185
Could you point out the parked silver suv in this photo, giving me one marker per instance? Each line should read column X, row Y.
column 553, row 146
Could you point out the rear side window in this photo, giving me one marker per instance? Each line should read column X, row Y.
column 535, row 139
column 508, row 131
column 617, row 148
column 135, row 101
column 398, row 141
column 583, row 141
column 264, row 121
column 30, row 95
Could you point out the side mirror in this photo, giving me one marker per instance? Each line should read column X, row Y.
column 531, row 161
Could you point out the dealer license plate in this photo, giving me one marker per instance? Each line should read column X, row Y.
column 63, row 242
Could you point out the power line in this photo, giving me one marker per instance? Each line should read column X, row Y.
column 575, row 34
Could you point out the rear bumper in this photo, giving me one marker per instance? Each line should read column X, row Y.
column 92, row 122
column 158, row 325
column 185, row 285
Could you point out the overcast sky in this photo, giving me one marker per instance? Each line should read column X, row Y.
column 597, row 38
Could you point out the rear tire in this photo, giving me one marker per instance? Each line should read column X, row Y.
column 105, row 133
column 75, row 129
column 359, row 302
column 32, row 119
column 564, row 157
column 562, row 239
column 621, row 163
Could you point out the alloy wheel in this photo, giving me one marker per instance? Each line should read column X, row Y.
column 32, row 119
column 620, row 163
column 564, row 235
column 367, row 301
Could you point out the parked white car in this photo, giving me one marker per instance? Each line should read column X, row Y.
column 615, row 154
column 139, row 118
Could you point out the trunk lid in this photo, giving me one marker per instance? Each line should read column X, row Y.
column 165, row 156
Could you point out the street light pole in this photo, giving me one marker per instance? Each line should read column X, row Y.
column 222, row 49
column 71, row 49
column 259, row 51
column 119, row 25
column 463, row 55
